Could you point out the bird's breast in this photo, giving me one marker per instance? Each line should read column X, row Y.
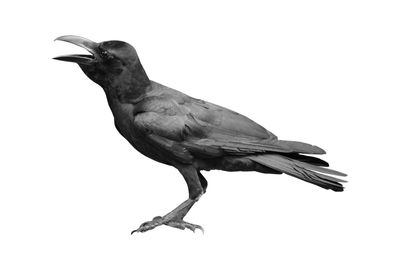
column 124, row 122
column 123, row 116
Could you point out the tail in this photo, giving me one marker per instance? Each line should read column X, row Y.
column 303, row 167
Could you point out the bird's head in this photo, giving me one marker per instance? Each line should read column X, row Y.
column 111, row 64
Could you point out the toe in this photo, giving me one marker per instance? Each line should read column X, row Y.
column 184, row 225
column 193, row 227
column 146, row 226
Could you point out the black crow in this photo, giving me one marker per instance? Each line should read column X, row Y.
column 188, row 133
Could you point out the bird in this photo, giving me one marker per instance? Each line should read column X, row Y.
column 189, row 134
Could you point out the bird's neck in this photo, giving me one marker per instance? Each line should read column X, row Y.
column 130, row 87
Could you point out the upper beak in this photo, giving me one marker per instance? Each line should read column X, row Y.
column 89, row 45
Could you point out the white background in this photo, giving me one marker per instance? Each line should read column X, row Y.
column 324, row 72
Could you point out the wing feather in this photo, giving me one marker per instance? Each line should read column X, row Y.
column 190, row 126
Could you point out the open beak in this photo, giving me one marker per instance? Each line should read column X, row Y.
column 90, row 46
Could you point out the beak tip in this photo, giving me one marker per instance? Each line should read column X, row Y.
column 60, row 38
column 57, row 58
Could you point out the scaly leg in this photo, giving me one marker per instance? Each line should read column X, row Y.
column 175, row 217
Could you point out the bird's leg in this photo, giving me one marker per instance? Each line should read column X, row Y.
column 175, row 217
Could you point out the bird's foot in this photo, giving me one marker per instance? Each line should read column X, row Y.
column 176, row 223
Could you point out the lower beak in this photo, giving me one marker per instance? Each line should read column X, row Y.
column 89, row 45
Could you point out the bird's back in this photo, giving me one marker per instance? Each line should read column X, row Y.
column 221, row 119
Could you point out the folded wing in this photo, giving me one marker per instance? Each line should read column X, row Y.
column 203, row 129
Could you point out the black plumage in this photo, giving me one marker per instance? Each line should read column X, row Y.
column 188, row 133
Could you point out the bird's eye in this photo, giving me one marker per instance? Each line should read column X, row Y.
column 104, row 54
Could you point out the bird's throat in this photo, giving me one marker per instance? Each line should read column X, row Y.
column 130, row 87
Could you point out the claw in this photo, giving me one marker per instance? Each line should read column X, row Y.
column 157, row 221
column 183, row 225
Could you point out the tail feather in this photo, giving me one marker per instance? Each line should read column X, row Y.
column 302, row 170
column 307, row 159
column 318, row 169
